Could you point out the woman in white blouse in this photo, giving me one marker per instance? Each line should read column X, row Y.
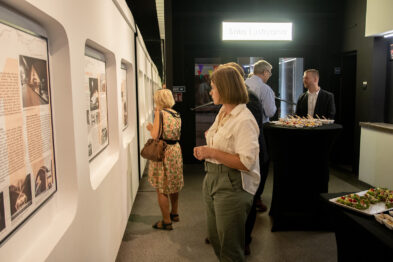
column 231, row 165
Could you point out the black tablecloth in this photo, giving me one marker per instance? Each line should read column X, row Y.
column 300, row 160
column 359, row 237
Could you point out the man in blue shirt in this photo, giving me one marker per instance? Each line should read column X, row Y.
column 257, row 84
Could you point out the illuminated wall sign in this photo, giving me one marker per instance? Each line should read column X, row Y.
column 256, row 31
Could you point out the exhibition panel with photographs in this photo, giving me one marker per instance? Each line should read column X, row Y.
column 27, row 168
column 96, row 106
column 124, row 96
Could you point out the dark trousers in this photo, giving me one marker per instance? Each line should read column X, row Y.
column 253, row 212
column 264, row 162
column 264, row 173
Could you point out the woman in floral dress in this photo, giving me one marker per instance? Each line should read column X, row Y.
column 167, row 175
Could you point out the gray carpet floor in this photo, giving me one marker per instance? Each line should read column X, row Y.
column 186, row 242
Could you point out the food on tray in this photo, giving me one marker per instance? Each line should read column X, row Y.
column 363, row 204
column 371, row 198
column 385, row 219
column 371, row 192
column 379, row 218
column 324, row 120
column 327, row 121
column 355, row 201
column 375, row 195
column 382, row 193
column 370, row 202
column 388, row 217
column 388, row 223
column 389, row 200
column 297, row 121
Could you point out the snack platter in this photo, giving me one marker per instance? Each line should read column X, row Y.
column 368, row 209
column 296, row 121
column 385, row 219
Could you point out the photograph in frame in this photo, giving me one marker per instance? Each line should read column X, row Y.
column 124, row 96
column 20, row 194
column 96, row 107
column 26, row 130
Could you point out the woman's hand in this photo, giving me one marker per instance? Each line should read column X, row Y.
column 228, row 159
column 202, row 152
column 149, row 126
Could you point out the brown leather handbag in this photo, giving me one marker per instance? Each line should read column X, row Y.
column 154, row 149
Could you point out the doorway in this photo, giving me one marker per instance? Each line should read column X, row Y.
column 205, row 111
column 344, row 153
column 290, row 84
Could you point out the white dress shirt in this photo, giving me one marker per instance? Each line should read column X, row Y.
column 312, row 100
column 265, row 94
column 237, row 133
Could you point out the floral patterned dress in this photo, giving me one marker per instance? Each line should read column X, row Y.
column 167, row 175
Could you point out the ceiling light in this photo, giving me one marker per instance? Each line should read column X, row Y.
column 256, row 31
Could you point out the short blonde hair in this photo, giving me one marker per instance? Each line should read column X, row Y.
column 315, row 72
column 230, row 85
column 164, row 98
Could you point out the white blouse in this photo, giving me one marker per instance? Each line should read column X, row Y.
column 312, row 101
column 237, row 133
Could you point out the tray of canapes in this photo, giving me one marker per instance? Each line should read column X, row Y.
column 385, row 219
column 369, row 202
column 300, row 122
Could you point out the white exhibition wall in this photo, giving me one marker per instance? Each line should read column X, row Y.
column 379, row 20
column 86, row 218
column 376, row 150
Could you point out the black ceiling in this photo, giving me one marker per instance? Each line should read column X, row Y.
column 203, row 12
column 212, row 7
column 145, row 15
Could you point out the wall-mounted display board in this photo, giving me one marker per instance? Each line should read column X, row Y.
column 27, row 166
column 96, row 102
column 124, row 96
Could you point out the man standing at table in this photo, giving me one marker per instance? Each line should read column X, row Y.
column 257, row 84
column 316, row 102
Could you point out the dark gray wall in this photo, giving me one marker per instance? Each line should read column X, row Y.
column 323, row 31
column 389, row 87
column 196, row 33
column 372, row 65
column 371, row 62
column 168, row 44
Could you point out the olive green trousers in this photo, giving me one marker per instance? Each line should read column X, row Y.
column 227, row 207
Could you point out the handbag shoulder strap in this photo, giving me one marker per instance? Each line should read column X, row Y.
column 174, row 114
column 161, row 126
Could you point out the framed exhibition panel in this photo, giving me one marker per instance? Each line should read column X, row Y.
column 27, row 162
column 124, row 96
column 96, row 102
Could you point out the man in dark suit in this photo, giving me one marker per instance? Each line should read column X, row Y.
column 316, row 101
